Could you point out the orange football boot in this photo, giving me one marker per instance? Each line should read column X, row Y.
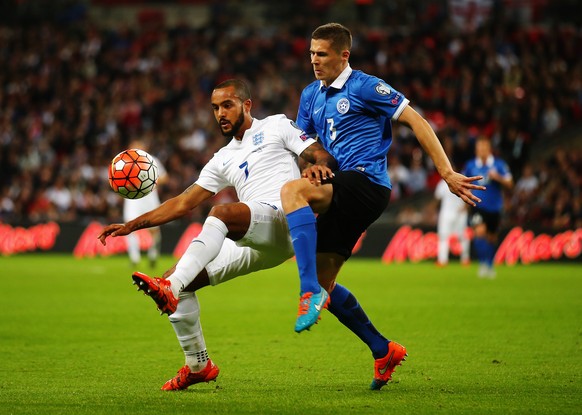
column 159, row 290
column 385, row 366
column 185, row 377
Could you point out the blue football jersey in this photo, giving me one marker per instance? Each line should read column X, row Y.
column 352, row 118
column 492, row 198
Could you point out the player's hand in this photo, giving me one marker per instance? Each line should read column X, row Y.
column 317, row 174
column 462, row 186
column 116, row 229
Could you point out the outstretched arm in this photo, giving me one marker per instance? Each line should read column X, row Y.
column 321, row 163
column 458, row 183
column 505, row 181
column 168, row 211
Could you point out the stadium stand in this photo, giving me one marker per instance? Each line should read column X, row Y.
column 75, row 89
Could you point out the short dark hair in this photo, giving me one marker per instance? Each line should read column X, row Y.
column 240, row 87
column 339, row 36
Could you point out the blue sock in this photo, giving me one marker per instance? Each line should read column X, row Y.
column 481, row 250
column 348, row 311
column 304, row 236
column 490, row 253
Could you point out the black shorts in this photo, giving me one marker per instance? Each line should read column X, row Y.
column 490, row 219
column 356, row 203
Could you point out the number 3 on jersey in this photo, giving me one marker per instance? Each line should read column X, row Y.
column 332, row 131
column 245, row 167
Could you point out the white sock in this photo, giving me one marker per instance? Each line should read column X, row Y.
column 154, row 250
column 203, row 249
column 443, row 250
column 465, row 249
column 133, row 248
column 186, row 323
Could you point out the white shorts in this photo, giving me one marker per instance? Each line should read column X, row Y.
column 452, row 224
column 265, row 245
column 132, row 208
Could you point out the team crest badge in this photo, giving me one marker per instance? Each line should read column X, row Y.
column 343, row 106
column 383, row 89
column 258, row 138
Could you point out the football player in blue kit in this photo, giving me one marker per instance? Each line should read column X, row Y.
column 351, row 113
column 486, row 217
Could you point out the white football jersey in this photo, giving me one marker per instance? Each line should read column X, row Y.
column 261, row 163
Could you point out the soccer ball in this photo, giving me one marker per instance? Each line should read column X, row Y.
column 133, row 173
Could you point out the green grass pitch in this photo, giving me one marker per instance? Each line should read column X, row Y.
column 77, row 338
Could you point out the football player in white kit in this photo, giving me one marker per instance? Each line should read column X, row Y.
column 453, row 220
column 132, row 208
column 236, row 238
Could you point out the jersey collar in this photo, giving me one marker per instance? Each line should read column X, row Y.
column 489, row 162
column 248, row 131
column 341, row 80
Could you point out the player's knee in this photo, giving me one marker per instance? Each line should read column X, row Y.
column 225, row 213
column 291, row 189
column 480, row 231
column 235, row 216
column 218, row 211
column 294, row 191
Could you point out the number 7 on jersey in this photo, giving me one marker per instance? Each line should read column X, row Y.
column 245, row 168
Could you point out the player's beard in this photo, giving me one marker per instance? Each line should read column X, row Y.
column 235, row 127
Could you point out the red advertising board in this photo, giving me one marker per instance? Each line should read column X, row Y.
column 390, row 243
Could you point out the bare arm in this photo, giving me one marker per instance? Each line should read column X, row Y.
column 506, row 182
column 168, row 211
column 458, row 183
column 321, row 163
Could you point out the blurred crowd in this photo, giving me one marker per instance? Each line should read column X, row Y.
column 74, row 93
